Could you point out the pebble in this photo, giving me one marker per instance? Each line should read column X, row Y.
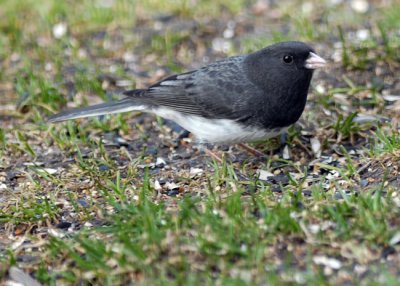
column 59, row 30
column 63, row 225
column 19, row 277
column 151, row 151
column 160, row 162
column 338, row 196
column 391, row 97
column 55, row 233
column 172, row 186
column 316, row 147
column 103, row 168
column 83, row 203
column 157, row 185
column 222, row 45
column 363, row 34
column 264, row 175
column 173, row 193
column 364, row 183
column 285, row 153
column 360, row 6
column 195, row 171
column 395, row 239
column 326, row 261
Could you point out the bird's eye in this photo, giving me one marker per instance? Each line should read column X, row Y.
column 287, row 59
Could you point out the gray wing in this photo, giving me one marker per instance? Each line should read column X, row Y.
column 220, row 90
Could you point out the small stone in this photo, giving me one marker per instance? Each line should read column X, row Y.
column 63, row 225
column 172, row 186
column 50, row 171
column 360, row 6
column 364, row 183
column 157, row 185
column 121, row 142
column 365, row 118
column 307, row 7
column 55, row 233
column 160, row 162
column 87, row 224
column 173, row 193
column 395, row 239
column 33, row 164
column 19, row 277
column 222, row 45
column 320, row 89
column 229, row 33
column 338, row 196
column 123, row 83
column 59, row 30
column 363, row 34
column 264, row 175
column 151, row 151
column 326, row 261
column 286, row 153
column 230, row 30
column 316, row 147
column 103, row 168
column 195, row 171
column 83, row 203
column 391, row 97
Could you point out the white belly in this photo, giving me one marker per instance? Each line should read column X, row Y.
column 216, row 130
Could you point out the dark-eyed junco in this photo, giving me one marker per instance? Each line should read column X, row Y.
column 237, row 99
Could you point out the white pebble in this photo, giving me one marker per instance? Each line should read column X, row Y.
column 264, row 175
column 157, row 185
column 195, row 171
column 59, row 30
column 395, row 239
column 360, row 6
column 221, row 45
column 362, row 34
column 326, row 261
column 286, row 153
column 316, row 147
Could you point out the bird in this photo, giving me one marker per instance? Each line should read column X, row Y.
column 238, row 99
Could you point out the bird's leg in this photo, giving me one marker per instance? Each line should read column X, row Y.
column 283, row 139
column 213, row 155
column 251, row 150
column 204, row 147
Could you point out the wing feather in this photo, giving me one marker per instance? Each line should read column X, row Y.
column 215, row 91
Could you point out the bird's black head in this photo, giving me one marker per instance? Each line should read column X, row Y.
column 283, row 73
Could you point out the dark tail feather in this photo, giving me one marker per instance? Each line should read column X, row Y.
column 123, row 105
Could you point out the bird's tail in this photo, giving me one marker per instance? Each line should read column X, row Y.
column 123, row 105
